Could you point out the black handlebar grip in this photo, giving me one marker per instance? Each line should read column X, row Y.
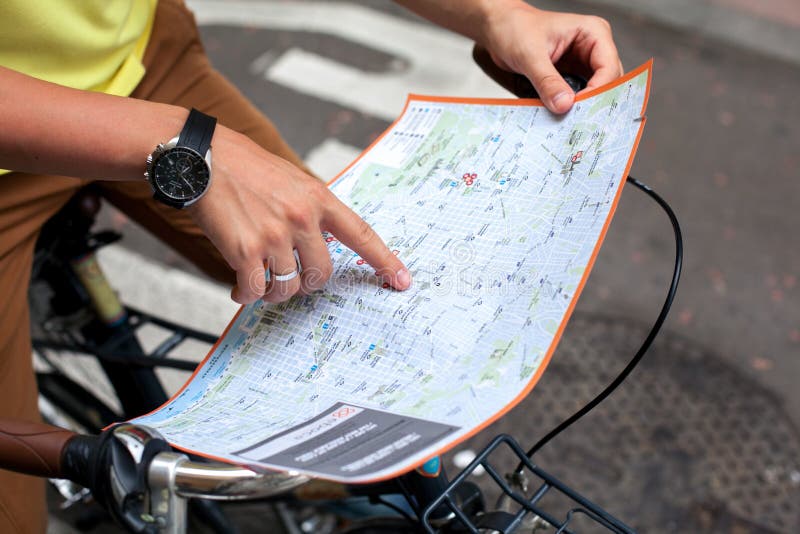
column 77, row 459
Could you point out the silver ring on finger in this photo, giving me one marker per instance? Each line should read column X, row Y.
column 285, row 277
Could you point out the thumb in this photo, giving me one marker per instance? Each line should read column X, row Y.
column 556, row 95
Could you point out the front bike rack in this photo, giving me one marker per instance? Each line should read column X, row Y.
column 112, row 351
column 515, row 492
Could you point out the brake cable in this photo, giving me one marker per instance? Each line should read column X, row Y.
column 654, row 330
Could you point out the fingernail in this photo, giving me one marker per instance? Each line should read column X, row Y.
column 403, row 278
column 559, row 98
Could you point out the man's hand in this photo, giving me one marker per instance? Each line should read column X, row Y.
column 533, row 42
column 258, row 211
column 540, row 44
column 260, row 208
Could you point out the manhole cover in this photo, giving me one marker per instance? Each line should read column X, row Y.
column 686, row 444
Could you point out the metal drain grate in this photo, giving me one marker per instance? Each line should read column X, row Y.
column 686, row 444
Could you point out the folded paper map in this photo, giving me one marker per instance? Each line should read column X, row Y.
column 498, row 209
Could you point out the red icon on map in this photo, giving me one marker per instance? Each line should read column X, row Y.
column 469, row 178
column 330, row 239
column 360, row 262
column 343, row 412
column 577, row 157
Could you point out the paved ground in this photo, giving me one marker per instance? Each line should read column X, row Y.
column 705, row 436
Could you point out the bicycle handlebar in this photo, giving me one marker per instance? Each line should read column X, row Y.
column 43, row 450
column 218, row 481
column 126, row 462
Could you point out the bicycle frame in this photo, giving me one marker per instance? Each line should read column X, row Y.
column 98, row 324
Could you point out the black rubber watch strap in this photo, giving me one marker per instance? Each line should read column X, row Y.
column 197, row 132
column 164, row 199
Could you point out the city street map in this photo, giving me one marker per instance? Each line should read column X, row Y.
column 498, row 208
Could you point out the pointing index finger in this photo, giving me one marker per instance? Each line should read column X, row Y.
column 354, row 232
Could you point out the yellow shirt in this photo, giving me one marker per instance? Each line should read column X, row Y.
column 96, row 45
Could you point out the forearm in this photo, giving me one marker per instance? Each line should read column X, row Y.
column 51, row 129
column 467, row 17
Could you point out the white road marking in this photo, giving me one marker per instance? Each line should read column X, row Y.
column 448, row 71
column 330, row 157
column 463, row 458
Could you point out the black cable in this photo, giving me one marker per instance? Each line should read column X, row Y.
column 410, row 498
column 377, row 499
column 676, row 274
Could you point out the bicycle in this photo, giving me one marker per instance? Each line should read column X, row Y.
column 146, row 484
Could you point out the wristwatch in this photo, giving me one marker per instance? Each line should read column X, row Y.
column 179, row 171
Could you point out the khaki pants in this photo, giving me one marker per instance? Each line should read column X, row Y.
column 179, row 73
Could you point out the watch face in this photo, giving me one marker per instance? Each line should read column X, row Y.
column 180, row 173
